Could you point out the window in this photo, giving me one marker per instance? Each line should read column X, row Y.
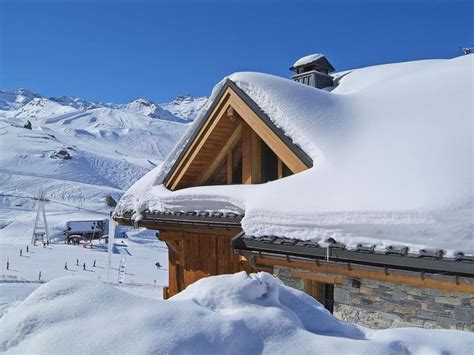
column 323, row 292
column 220, row 175
column 237, row 163
column 269, row 164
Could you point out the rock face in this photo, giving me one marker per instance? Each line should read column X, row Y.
column 61, row 154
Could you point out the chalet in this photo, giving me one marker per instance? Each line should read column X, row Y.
column 305, row 219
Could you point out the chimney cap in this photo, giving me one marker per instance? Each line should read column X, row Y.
column 313, row 61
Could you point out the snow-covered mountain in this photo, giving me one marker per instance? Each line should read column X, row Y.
column 185, row 107
column 78, row 151
column 24, row 103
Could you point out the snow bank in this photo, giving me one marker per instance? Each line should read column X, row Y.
column 392, row 160
column 237, row 313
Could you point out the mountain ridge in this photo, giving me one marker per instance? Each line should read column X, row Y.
column 24, row 103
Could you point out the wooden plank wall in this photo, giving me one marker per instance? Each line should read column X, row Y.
column 196, row 255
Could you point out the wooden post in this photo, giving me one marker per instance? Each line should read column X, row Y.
column 256, row 159
column 280, row 168
column 251, row 156
column 246, row 154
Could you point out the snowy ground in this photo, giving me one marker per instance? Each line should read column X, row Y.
column 109, row 147
column 141, row 250
column 227, row 314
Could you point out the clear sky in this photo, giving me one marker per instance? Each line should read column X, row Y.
column 115, row 51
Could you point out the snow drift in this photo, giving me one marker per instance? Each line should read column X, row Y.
column 232, row 314
column 392, row 157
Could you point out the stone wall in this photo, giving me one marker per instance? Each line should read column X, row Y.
column 378, row 304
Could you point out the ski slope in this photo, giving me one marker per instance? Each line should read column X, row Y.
column 77, row 153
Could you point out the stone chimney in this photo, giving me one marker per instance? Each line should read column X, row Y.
column 313, row 70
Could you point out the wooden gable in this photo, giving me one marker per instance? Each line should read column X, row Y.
column 233, row 125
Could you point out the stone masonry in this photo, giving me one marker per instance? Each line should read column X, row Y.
column 378, row 304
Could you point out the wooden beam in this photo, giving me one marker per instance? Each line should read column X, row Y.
column 166, row 292
column 327, row 279
column 207, row 173
column 171, row 244
column 359, row 273
column 246, row 154
column 166, row 235
column 256, row 158
column 290, row 159
column 230, row 166
column 167, row 229
column 280, row 168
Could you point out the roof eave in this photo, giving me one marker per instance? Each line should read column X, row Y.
column 463, row 266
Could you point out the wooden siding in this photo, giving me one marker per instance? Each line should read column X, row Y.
column 233, row 134
column 198, row 253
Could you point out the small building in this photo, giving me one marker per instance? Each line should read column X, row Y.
column 86, row 230
column 286, row 138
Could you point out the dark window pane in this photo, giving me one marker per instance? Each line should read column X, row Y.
column 220, row 175
column 286, row 171
column 237, row 163
column 269, row 164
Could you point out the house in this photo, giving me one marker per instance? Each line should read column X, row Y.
column 359, row 194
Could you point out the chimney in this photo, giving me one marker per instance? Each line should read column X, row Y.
column 313, row 70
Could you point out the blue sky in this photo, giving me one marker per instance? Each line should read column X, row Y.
column 115, row 51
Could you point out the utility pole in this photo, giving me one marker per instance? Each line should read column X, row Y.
column 40, row 230
column 110, row 243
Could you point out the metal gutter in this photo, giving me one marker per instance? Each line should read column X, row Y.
column 392, row 257
column 201, row 219
column 349, row 266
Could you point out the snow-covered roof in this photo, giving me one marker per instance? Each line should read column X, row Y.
column 392, row 160
column 308, row 59
column 318, row 59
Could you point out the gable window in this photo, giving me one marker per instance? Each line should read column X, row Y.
column 237, row 163
column 272, row 167
column 269, row 164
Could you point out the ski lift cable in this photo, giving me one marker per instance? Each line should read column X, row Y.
column 54, row 201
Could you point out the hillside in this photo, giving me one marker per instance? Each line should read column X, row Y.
column 78, row 151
